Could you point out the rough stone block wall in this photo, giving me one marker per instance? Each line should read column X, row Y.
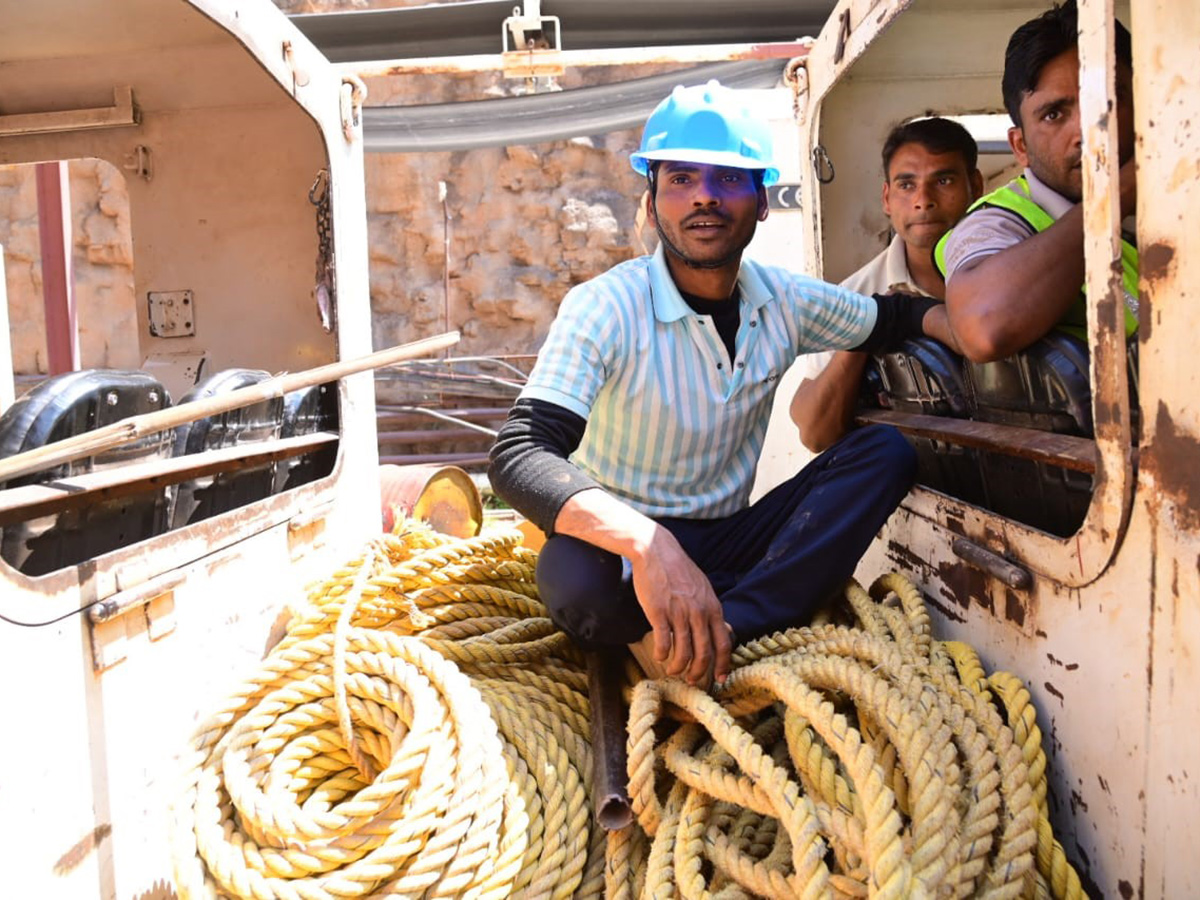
column 517, row 227
column 101, row 257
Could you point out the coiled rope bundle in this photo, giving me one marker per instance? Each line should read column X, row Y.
column 422, row 731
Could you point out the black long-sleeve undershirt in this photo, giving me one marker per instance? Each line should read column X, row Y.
column 529, row 468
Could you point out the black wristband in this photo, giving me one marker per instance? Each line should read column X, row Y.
column 899, row 316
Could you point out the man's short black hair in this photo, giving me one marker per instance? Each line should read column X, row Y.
column 1040, row 40
column 937, row 135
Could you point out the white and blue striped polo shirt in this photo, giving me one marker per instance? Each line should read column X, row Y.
column 674, row 428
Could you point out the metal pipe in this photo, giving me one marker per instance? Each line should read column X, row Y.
column 130, row 429
column 1009, row 573
column 495, row 62
column 58, row 288
column 610, row 778
column 457, row 420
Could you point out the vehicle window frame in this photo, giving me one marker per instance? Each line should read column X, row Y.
column 1080, row 558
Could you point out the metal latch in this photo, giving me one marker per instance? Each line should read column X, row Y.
column 144, row 611
column 122, row 602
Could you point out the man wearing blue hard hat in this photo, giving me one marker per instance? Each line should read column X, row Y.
column 635, row 441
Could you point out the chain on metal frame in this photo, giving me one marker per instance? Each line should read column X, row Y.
column 324, row 288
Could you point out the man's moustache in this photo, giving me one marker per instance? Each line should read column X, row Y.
column 706, row 216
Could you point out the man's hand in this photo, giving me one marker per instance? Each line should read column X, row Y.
column 690, row 634
column 936, row 325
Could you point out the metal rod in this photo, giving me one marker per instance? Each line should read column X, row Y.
column 1011, row 574
column 135, row 427
column 429, row 459
column 58, row 289
column 494, row 62
column 456, row 420
column 610, row 778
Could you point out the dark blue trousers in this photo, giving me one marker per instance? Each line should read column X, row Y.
column 771, row 564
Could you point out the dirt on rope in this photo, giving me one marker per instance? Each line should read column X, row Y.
column 422, row 731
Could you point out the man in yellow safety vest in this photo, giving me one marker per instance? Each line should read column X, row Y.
column 1014, row 265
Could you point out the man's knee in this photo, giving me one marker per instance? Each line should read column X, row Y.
column 583, row 589
column 886, row 450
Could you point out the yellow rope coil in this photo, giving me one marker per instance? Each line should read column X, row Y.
column 423, row 731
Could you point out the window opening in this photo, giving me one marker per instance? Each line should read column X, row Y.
column 63, row 515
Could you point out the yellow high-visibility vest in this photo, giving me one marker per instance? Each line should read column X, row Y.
column 1015, row 198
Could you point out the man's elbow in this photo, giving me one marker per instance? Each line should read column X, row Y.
column 816, row 436
column 982, row 340
column 810, row 426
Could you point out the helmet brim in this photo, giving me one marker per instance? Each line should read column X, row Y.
column 641, row 161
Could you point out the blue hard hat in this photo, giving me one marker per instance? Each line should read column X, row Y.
column 706, row 124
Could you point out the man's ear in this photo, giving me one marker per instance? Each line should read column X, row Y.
column 1016, row 140
column 976, row 185
column 651, row 212
column 886, row 201
column 764, row 205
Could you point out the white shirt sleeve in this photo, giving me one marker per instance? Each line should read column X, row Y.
column 982, row 233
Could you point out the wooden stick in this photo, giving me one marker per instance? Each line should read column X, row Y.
column 92, row 442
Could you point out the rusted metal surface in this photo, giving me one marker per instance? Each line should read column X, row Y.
column 610, row 781
column 555, row 61
column 1068, row 451
column 443, row 496
column 1167, row 122
column 1112, row 496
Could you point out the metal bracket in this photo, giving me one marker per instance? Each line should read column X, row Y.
column 843, row 36
column 121, row 114
column 536, row 43
column 138, row 162
column 172, row 313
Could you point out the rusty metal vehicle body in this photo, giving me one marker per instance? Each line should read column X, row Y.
column 239, row 114
column 1102, row 623
column 224, row 115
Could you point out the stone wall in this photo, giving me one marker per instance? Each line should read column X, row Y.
column 101, row 257
column 517, row 227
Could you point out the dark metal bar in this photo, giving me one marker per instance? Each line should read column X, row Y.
column 22, row 504
column 993, row 564
column 1068, row 451
column 610, row 778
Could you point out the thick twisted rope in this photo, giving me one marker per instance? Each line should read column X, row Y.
column 901, row 777
column 422, row 731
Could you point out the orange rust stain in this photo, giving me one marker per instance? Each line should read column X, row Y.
column 1156, row 262
column 1173, row 460
column 82, row 848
